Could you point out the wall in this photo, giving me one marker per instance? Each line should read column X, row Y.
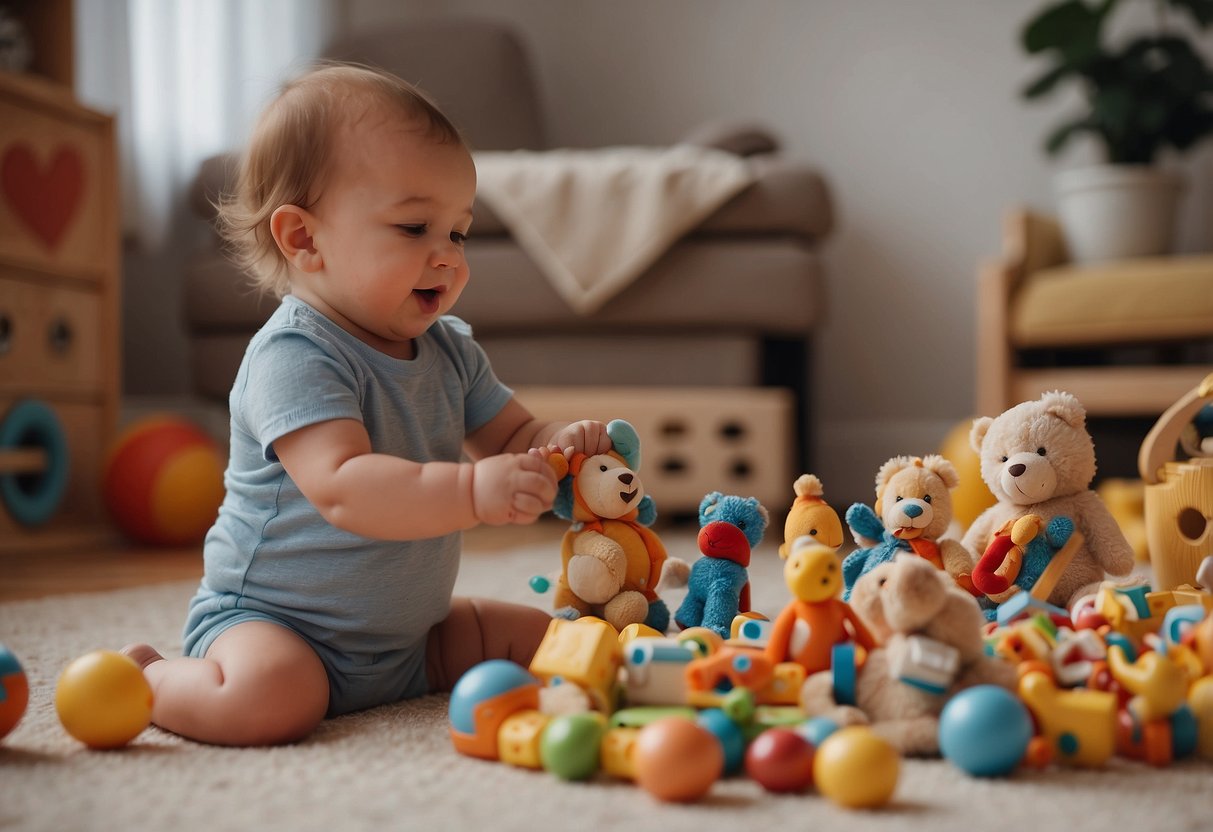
column 912, row 112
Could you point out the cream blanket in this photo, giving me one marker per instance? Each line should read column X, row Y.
column 594, row 220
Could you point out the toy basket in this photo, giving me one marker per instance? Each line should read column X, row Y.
column 1179, row 494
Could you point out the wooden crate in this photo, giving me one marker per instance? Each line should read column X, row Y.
column 693, row 440
column 59, row 285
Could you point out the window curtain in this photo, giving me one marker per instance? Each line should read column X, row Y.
column 186, row 79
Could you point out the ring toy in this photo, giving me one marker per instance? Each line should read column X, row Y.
column 31, row 498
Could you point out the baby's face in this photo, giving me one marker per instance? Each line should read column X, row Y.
column 392, row 220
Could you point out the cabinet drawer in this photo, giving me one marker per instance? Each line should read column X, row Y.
column 56, row 184
column 50, row 338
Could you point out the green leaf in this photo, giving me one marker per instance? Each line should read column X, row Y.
column 1046, row 82
column 1201, row 11
column 1058, row 139
column 1068, row 27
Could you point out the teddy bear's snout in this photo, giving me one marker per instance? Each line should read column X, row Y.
column 913, row 510
column 1027, row 478
column 1017, row 470
column 912, row 513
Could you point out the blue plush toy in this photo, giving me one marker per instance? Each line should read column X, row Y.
column 1038, row 553
column 719, row 585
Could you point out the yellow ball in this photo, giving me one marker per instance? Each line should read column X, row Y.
column 103, row 700
column 856, row 768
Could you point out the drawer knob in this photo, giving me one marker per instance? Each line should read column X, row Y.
column 60, row 336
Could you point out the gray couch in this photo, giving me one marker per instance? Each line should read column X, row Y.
column 732, row 304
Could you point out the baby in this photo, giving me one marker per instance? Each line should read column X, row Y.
column 329, row 571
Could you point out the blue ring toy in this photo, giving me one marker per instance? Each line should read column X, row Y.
column 31, row 499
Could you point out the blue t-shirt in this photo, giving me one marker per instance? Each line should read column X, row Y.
column 270, row 550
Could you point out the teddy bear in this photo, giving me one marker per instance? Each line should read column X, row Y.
column 719, row 585
column 912, row 513
column 611, row 562
column 1038, row 460
column 930, row 632
column 810, row 515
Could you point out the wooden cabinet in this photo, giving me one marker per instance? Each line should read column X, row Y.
column 59, row 284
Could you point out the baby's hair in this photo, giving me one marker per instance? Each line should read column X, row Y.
column 290, row 149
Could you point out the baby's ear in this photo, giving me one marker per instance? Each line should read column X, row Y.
column 291, row 228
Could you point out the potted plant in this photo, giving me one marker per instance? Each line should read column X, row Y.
column 1151, row 93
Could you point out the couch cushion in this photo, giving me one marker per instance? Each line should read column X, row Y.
column 1132, row 301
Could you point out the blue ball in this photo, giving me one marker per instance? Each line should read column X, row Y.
column 480, row 684
column 732, row 738
column 985, row 731
column 816, row 730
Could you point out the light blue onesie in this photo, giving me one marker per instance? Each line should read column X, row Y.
column 365, row 605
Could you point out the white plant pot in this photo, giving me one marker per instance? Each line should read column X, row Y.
column 1109, row 212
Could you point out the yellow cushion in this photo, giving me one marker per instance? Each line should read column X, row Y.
column 1149, row 299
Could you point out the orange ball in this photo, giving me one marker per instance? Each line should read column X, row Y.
column 163, row 481
column 676, row 760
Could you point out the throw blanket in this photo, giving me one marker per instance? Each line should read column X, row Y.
column 594, row 220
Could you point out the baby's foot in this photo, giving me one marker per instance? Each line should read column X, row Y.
column 143, row 654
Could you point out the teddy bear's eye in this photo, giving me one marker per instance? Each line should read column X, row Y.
column 813, row 532
column 741, row 525
column 927, row 499
column 1040, row 451
column 1004, row 459
column 899, row 499
column 602, row 468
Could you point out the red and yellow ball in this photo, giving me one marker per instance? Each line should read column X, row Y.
column 163, row 481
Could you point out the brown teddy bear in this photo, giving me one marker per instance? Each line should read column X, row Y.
column 1038, row 459
column 931, row 635
column 912, row 513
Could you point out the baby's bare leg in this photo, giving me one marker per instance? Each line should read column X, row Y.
column 260, row 684
column 479, row 629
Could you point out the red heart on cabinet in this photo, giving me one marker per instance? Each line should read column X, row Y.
column 44, row 197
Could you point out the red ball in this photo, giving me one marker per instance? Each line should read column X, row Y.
column 780, row 760
column 163, row 481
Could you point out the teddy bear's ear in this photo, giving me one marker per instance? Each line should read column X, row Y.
column 625, row 442
column 708, row 506
column 762, row 512
column 890, row 468
column 977, row 435
column 1065, row 407
column 942, row 468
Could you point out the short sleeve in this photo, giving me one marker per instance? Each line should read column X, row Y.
column 484, row 394
column 291, row 381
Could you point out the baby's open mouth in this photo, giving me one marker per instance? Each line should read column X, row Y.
column 428, row 294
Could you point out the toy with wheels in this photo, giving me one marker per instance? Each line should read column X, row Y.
column 163, row 481
column 33, row 462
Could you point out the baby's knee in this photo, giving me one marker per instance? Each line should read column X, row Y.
column 479, row 629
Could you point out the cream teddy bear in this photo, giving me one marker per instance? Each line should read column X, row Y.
column 931, row 635
column 1038, row 459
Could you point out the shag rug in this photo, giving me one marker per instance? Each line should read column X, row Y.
column 393, row 767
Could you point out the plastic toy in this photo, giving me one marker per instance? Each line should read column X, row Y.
column 655, row 671
column 932, row 648
column 1038, row 458
column 912, row 513
column 34, row 462
column 719, row 586
column 481, row 701
column 815, row 620
column 732, row 739
column 611, row 562
column 856, row 768
column 518, row 738
column 1179, row 493
column 781, row 760
column 816, row 729
column 1079, row 725
column 1159, row 686
column 585, row 653
column 618, row 757
column 14, row 691
column 1025, row 556
column 1200, row 700
column 163, row 481
column 570, row 745
column 810, row 515
column 103, row 700
column 985, row 731
column 676, row 760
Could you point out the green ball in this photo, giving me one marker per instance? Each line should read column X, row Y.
column 569, row 745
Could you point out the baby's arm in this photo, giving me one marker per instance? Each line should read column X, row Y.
column 389, row 498
column 515, row 430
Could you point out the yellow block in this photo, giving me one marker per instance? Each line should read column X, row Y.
column 518, row 738
column 637, row 631
column 585, row 652
column 617, row 746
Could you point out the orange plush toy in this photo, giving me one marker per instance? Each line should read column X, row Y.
column 610, row 562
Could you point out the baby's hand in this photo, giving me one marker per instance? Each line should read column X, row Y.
column 584, row 437
column 512, row 488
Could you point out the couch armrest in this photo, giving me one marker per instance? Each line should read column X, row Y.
column 741, row 138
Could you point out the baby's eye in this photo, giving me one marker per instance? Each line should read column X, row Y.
column 412, row 230
column 458, row 238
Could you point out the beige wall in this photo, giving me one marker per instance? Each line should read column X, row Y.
column 909, row 108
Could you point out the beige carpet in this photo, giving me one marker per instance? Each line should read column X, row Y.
column 394, row 768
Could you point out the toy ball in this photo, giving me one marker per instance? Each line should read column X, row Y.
column 985, row 731
column 857, row 768
column 677, row 760
column 972, row 496
column 781, row 760
column 816, row 730
column 570, row 744
column 539, row 584
column 730, row 735
column 163, row 481
column 103, row 700
column 14, row 691
column 482, row 699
